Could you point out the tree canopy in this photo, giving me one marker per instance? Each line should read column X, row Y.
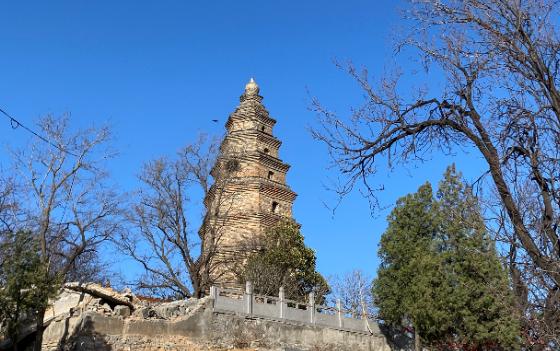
column 440, row 274
column 24, row 288
column 62, row 199
column 498, row 61
column 283, row 259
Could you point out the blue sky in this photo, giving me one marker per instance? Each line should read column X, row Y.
column 159, row 72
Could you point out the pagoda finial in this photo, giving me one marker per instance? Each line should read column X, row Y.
column 251, row 88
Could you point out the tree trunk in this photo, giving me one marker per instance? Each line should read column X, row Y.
column 417, row 342
column 40, row 329
column 13, row 333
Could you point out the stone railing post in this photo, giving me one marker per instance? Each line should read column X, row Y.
column 311, row 306
column 248, row 297
column 365, row 319
column 282, row 305
column 366, row 322
column 339, row 312
column 215, row 295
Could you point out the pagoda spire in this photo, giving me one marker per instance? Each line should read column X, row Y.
column 252, row 88
column 251, row 92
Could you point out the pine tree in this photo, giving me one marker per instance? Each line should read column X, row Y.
column 440, row 274
column 481, row 299
column 404, row 289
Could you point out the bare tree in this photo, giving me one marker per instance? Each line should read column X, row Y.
column 501, row 64
column 8, row 212
column 66, row 198
column 176, row 259
column 9, row 208
column 353, row 289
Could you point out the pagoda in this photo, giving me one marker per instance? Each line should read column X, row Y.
column 249, row 194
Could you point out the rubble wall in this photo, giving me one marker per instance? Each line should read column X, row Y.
column 193, row 326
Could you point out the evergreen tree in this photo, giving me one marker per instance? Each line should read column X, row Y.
column 404, row 289
column 481, row 300
column 23, row 288
column 440, row 274
column 283, row 260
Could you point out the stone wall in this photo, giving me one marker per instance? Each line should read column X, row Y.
column 206, row 329
column 190, row 325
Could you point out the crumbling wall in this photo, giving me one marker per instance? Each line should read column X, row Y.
column 93, row 323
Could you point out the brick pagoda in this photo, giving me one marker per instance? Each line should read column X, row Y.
column 250, row 193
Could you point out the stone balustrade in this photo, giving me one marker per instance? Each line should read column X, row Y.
column 246, row 302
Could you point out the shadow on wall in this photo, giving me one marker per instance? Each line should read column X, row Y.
column 397, row 338
column 24, row 344
column 86, row 338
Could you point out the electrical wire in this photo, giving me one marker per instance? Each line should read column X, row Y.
column 15, row 124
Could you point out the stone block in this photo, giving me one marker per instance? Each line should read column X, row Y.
column 145, row 313
column 122, row 311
